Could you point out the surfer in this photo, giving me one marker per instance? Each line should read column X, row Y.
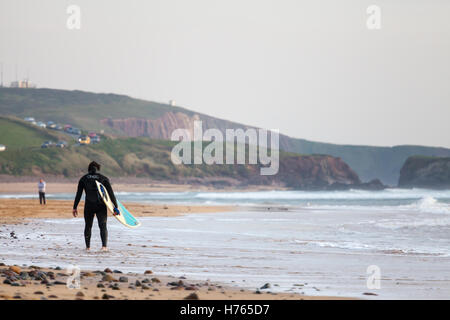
column 41, row 189
column 93, row 204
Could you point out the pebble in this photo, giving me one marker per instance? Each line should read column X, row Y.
column 80, row 294
column 15, row 269
column 100, row 285
column 190, row 288
column 108, row 277
column 148, row 272
column 38, row 292
column 192, row 296
column 123, row 279
column 108, row 270
column 266, row 286
column 145, row 287
column 107, row 296
column 176, row 288
column 89, row 274
column 117, row 271
column 178, row 284
column 137, row 283
column 156, row 280
column 369, row 294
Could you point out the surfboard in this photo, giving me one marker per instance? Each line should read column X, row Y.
column 125, row 217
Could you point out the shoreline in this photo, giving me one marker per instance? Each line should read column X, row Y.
column 120, row 185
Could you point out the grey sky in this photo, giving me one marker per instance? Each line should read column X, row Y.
column 309, row 68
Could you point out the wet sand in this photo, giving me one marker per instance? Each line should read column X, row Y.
column 28, row 282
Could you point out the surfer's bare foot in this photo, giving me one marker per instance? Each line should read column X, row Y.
column 88, row 249
column 104, row 249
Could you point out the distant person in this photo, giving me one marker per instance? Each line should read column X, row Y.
column 93, row 204
column 41, row 189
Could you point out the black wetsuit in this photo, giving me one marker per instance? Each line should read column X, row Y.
column 94, row 204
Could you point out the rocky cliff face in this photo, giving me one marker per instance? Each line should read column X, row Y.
column 315, row 172
column 160, row 128
column 425, row 172
column 296, row 172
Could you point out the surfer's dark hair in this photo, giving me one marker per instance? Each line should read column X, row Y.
column 93, row 167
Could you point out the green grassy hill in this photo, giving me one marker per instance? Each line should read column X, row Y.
column 17, row 134
column 85, row 110
column 78, row 108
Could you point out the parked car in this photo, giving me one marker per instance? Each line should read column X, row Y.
column 76, row 131
column 62, row 144
column 92, row 134
column 2, row 147
column 58, row 127
column 51, row 125
column 83, row 140
column 41, row 124
column 29, row 119
column 95, row 139
column 67, row 126
column 48, row 144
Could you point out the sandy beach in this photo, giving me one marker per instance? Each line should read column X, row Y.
column 35, row 282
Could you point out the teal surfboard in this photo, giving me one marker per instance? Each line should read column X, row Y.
column 125, row 217
column 130, row 220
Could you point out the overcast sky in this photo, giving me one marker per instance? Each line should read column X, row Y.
column 309, row 68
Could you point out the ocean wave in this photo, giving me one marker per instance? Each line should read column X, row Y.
column 430, row 204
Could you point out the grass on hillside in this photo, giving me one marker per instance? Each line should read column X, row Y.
column 16, row 134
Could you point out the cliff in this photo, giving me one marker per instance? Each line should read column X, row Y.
column 425, row 172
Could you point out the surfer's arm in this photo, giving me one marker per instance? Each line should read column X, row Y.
column 110, row 192
column 79, row 193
